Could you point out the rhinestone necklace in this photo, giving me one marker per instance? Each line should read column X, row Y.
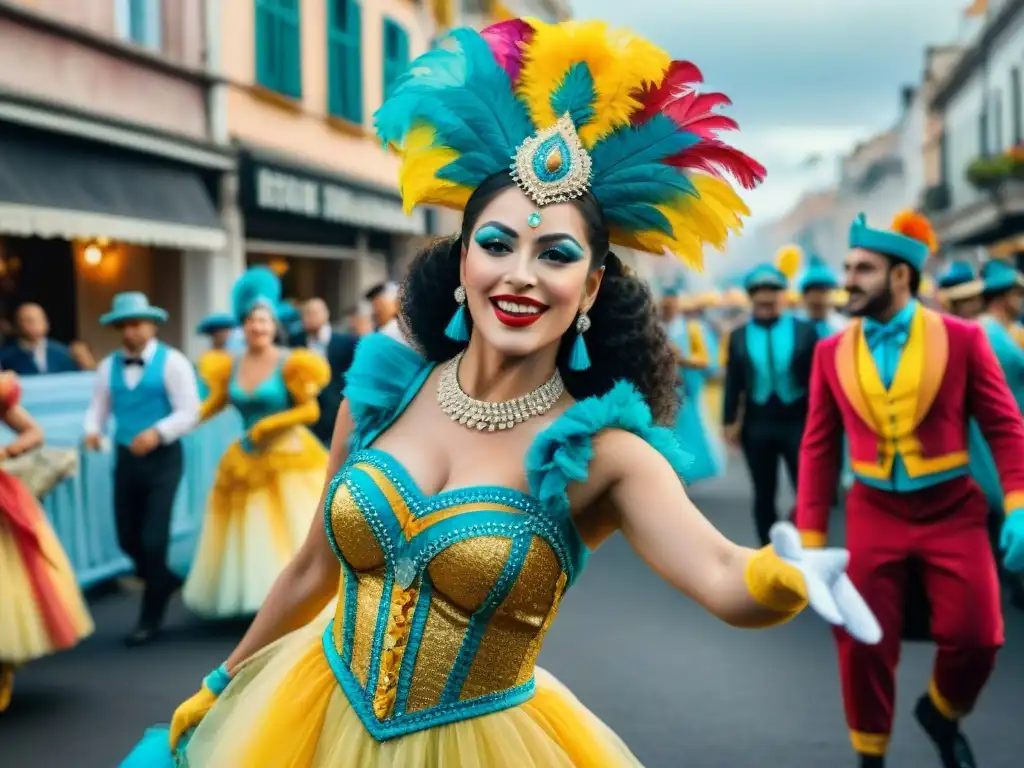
column 481, row 415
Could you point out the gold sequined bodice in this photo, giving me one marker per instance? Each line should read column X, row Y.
column 444, row 600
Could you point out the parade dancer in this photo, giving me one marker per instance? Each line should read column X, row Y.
column 960, row 291
column 766, row 390
column 457, row 527
column 152, row 393
column 902, row 382
column 41, row 608
column 693, row 427
column 817, row 286
column 268, row 482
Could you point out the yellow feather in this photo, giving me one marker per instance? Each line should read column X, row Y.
column 787, row 260
column 421, row 162
column 619, row 62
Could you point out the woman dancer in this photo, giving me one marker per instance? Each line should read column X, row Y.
column 268, row 482
column 41, row 607
column 480, row 466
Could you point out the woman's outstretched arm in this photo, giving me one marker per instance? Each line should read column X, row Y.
column 310, row 580
column 741, row 586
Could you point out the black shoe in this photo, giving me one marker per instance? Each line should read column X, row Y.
column 141, row 636
column 872, row 761
column 954, row 749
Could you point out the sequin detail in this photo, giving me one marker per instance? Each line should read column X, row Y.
column 396, row 636
column 553, row 166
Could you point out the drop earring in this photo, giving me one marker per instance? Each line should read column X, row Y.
column 579, row 358
column 458, row 326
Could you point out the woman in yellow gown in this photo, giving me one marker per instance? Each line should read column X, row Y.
column 41, row 607
column 268, row 482
column 516, row 422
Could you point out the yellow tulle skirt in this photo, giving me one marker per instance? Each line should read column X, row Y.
column 42, row 610
column 284, row 709
column 258, row 515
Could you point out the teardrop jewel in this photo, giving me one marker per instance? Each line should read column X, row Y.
column 553, row 166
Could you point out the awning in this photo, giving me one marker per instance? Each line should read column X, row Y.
column 56, row 187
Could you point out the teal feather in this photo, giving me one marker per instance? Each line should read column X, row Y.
column 575, row 95
column 653, row 183
column 465, row 96
column 638, row 216
column 257, row 286
column 632, row 147
column 469, row 169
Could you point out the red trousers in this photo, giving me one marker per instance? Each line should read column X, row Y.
column 943, row 531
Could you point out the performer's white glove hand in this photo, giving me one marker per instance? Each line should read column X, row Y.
column 829, row 590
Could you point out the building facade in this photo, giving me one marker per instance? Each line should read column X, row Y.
column 979, row 201
column 108, row 175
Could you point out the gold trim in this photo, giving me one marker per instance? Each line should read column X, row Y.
column 874, row 744
column 936, row 358
column 946, row 709
column 846, row 370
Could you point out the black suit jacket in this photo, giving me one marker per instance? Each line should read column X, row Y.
column 22, row 362
column 340, row 350
column 739, row 370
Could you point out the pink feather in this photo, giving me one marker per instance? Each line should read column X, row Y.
column 680, row 78
column 716, row 158
column 507, row 40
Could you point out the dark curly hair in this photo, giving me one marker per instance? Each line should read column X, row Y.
column 625, row 341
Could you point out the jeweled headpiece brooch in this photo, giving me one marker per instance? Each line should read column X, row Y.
column 566, row 108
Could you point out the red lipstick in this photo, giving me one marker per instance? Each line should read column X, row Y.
column 517, row 319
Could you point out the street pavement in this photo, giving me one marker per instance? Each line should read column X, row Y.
column 682, row 689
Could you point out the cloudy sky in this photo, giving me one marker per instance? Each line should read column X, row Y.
column 805, row 76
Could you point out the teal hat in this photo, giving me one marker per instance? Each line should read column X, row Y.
column 1000, row 276
column 818, row 275
column 218, row 321
column 765, row 276
column 958, row 273
column 132, row 305
column 889, row 243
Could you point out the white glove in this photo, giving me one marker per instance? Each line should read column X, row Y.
column 829, row 590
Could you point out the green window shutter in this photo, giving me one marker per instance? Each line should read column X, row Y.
column 396, row 53
column 279, row 46
column 345, row 60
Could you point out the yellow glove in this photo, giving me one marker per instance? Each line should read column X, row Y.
column 776, row 585
column 190, row 714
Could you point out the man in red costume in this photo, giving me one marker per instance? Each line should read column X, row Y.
column 902, row 382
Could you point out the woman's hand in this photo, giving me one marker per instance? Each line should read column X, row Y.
column 190, row 714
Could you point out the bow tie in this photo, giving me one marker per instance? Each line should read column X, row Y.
column 134, row 361
column 876, row 333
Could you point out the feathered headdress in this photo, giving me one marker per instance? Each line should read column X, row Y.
column 258, row 287
column 567, row 108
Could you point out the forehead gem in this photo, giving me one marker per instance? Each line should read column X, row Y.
column 533, row 220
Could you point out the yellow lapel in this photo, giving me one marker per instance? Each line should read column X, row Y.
column 847, row 371
column 935, row 340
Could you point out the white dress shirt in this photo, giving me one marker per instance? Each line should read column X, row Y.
column 182, row 391
column 38, row 354
column 319, row 341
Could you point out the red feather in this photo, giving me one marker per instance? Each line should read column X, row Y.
column 695, row 113
column 715, row 158
column 680, row 78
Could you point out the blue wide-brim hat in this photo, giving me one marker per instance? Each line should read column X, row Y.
column 1000, row 276
column 219, row 321
column 765, row 276
column 958, row 273
column 132, row 305
column 889, row 243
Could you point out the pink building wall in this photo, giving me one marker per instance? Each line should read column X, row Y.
column 77, row 60
column 303, row 128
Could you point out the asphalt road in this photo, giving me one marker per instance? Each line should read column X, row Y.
column 682, row 689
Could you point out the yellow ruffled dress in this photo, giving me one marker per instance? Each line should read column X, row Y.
column 430, row 658
column 42, row 610
column 267, row 487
